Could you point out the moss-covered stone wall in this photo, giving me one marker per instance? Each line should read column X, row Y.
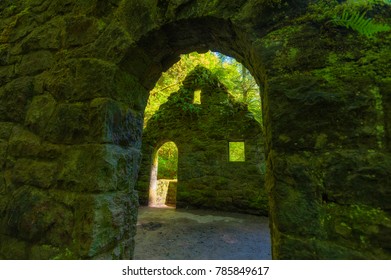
column 74, row 80
column 202, row 132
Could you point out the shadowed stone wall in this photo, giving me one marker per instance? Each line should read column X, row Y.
column 74, row 80
column 202, row 132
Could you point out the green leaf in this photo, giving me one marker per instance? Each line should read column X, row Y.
column 358, row 22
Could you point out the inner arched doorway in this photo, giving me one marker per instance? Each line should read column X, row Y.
column 163, row 181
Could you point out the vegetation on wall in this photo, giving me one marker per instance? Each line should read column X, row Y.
column 353, row 14
column 231, row 73
column 358, row 21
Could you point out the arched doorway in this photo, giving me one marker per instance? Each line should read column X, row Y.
column 163, row 182
column 296, row 97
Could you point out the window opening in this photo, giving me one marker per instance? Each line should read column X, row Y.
column 236, row 151
column 197, row 97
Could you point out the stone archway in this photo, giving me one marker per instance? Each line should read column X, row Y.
column 74, row 82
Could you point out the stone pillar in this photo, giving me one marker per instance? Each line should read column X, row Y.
column 69, row 168
column 70, row 133
column 326, row 167
column 69, row 154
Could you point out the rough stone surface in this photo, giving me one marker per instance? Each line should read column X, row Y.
column 202, row 132
column 90, row 64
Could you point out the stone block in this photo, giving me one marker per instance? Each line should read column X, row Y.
column 80, row 30
column 35, row 173
column 33, row 216
column 23, row 143
column 100, row 220
column 4, row 55
column 114, row 122
column 39, row 113
column 3, row 153
column 98, row 168
column 34, row 63
column 47, row 37
column 69, row 124
column 296, row 212
column 87, row 72
column 113, row 43
column 12, row 248
column 6, row 130
column 358, row 177
column 19, row 23
column 6, row 73
column 2, row 188
column 77, row 80
column 129, row 90
column 14, row 98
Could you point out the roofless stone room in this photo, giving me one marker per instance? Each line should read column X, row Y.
column 76, row 155
column 220, row 149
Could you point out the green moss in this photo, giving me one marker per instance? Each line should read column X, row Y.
column 368, row 214
column 333, row 58
column 359, row 225
column 66, row 254
column 280, row 37
column 380, row 116
column 101, row 25
column 10, row 10
column 293, row 53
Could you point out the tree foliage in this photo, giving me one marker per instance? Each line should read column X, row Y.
column 167, row 161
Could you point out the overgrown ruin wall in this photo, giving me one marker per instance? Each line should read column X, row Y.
column 202, row 132
column 74, row 80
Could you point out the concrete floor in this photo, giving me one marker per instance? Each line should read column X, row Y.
column 169, row 234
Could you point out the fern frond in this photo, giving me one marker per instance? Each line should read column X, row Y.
column 359, row 23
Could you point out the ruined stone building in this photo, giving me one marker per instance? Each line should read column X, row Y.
column 207, row 177
column 75, row 77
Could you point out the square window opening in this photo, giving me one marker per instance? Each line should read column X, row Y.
column 236, row 152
